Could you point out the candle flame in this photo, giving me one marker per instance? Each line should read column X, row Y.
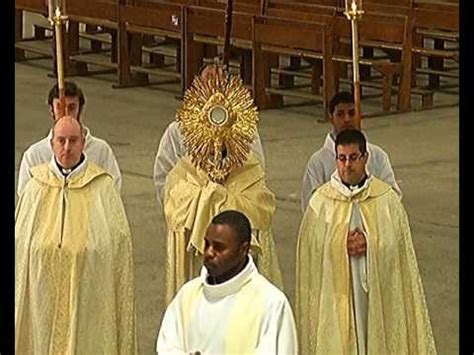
column 353, row 6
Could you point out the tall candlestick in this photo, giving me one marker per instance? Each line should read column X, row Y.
column 353, row 13
column 50, row 10
column 58, row 21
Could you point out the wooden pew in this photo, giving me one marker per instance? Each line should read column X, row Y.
column 439, row 22
column 240, row 56
column 35, row 44
column 371, row 5
column 147, row 18
column 279, row 36
column 102, row 13
column 385, row 32
column 207, row 26
column 331, row 3
column 245, row 6
column 305, row 12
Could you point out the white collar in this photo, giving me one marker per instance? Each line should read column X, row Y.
column 57, row 170
column 329, row 142
column 337, row 183
column 230, row 286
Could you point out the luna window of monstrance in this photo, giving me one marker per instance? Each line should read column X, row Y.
column 218, row 121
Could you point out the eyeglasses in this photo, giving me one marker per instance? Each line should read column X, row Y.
column 351, row 158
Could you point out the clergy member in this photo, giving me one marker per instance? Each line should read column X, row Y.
column 230, row 308
column 219, row 171
column 172, row 148
column 97, row 150
column 358, row 287
column 322, row 163
column 74, row 291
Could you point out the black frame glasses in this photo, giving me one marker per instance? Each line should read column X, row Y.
column 352, row 158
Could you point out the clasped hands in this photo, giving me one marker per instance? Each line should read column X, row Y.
column 356, row 243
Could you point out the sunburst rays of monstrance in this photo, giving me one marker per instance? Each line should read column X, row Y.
column 218, row 121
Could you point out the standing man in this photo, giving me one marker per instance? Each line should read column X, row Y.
column 230, row 308
column 172, row 148
column 96, row 149
column 322, row 163
column 358, row 287
column 74, row 291
column 219, row 171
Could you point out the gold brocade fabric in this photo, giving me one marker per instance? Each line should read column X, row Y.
column 192, row 200
column 74, row 291
column 398, row 320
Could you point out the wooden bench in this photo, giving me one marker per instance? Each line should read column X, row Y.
column 240, row 56
column 145, row 18
column 101, row 13
column 439, row 22
column 36, row 44
column 277, row 36
column 404, row 7
column 385, row 32
column 94, row 34
column 207, row 26
column 245, row 6
column 331, row 3
column 305, row 12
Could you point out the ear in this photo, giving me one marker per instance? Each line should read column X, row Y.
column 245, row 248
column 51, row 112
column 365, row 159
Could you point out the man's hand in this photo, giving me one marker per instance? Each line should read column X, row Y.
column 212, row 71
column 356, row 243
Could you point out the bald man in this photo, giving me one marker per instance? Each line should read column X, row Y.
column 97, row 150
column 74, row 289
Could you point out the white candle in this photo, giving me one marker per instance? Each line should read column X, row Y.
column 59, row 53
column 50, row 9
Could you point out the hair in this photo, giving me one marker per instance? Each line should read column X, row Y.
column 237, row 221
column 343, row 97
column 71, row 89
column 81, row 127
column 352, row 136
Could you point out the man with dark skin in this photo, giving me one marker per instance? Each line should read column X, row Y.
column 225, row 253
column 231, row 308
column 207, row 174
